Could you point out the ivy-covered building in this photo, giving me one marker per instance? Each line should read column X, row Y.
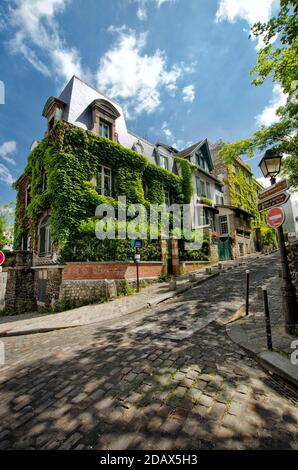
column 207, row 189
column 88, row 157
column 240, row 224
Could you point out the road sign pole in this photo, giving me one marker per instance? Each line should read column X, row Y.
column 288, row 291
column 289, row 301
column 247, row 293
column 267, row 319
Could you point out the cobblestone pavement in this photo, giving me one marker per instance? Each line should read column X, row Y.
column 126, row 384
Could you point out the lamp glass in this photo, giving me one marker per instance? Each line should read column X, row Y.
column 263, row 167
column 273, row 165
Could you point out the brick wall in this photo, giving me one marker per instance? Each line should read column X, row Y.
column 111, row 270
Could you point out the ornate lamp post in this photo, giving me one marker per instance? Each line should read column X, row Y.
column 270, row 167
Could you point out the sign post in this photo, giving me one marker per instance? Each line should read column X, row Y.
column 137, row 245
column 275, row 217
column 2, row 257
column 274, row 201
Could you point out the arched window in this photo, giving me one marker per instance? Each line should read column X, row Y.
column 44, row 237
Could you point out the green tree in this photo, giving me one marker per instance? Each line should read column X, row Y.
column 2, row 228
column 278, row 61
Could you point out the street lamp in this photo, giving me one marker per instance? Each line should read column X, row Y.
column 270, row 167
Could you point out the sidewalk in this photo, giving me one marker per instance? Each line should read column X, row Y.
column 250, row 333
column 148, row 297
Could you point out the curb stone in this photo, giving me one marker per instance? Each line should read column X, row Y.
column 271, row 361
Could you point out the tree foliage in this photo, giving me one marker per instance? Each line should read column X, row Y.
column 277, row 60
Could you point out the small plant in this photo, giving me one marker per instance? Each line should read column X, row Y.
column 163, row 277
column 294, row 329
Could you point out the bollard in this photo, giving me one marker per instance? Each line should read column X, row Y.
column 267, row 319
column 173, row 284
column 247, row 293
column 260, row 292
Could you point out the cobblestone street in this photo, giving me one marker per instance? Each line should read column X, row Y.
column 166, row 378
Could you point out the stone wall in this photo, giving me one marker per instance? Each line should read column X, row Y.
column 3, row 281
column 293, row 262
column 191, row 266
column 53, row 277
column 78, row 292
column 20, row 292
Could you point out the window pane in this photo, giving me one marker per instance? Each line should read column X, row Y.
column 42, row 240
column 223, row 225
column 208, row 190
column 104, row 130
column 203, row 190
column 198, row 185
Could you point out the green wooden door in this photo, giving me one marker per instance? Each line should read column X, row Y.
column 224, row 249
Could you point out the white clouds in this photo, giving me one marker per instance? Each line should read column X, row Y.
column 36, row 37
column 8, row 148
column 166, row 131
column 250, row 11
column 5, row 175
column 189, row 93
column 126, row 72
column 142, row 7
column 268, row 116
column 265, row 182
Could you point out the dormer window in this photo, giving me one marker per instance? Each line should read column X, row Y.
column 53, row 111
column 104, row 115
column 105, row 130
column 164, row 162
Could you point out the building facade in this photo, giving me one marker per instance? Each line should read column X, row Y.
column 88, row 157
column 239, row 222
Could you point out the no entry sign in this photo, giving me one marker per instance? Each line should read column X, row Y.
column 2, row 257
column 275, row 217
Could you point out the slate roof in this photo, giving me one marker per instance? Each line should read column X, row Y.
column 189, row 150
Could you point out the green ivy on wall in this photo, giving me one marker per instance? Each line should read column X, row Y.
column 247, row 198
column 67, row 159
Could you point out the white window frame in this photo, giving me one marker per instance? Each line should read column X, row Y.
column 208, row 190
column 164, row 162
column 203, row 188
column 107, row 126
column 223, row 222
column 48, row 243
column 102, row 180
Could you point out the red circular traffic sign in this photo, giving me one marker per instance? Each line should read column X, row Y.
column 275, row 217
column 2, row 257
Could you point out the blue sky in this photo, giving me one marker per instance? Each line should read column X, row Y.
column 179, row 67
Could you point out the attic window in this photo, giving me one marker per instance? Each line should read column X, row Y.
column 105, row 130
column 164, row 162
